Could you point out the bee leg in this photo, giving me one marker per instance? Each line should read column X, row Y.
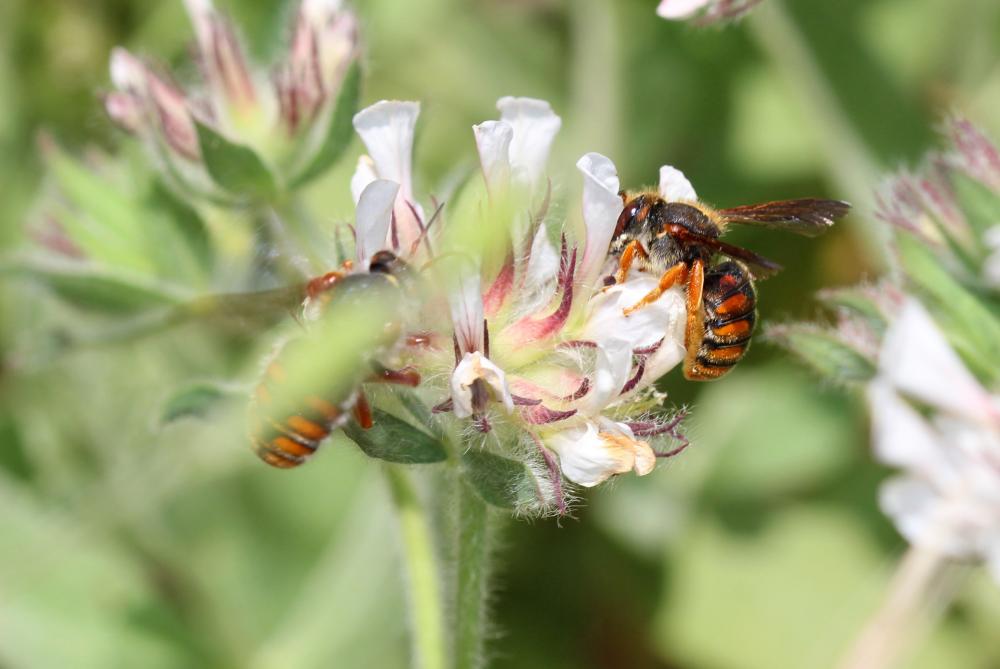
column 676, row 274
column 363, row 412
column 694, row 332
column 633, row 249
column 407, row 376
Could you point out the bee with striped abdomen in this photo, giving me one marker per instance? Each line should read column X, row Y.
column 678, row 240
column 297, row 405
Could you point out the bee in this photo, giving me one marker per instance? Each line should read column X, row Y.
column 678, row 241
column 289, row 415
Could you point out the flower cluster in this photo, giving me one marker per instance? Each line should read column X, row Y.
column 537, row 360
column 280, row 120
column 925, row 346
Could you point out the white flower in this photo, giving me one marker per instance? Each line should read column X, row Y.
column 542, row 353
column 948, row 498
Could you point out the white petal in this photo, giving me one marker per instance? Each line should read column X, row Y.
column 467, row 309
column 679, row 9
column 364, row 174
column 659, row 319
column 540, row 276
column 601, row 207
column 917, row 359
column 925, row 518
column 612, row 369
column 387, row 129
column 534, row 127
column 127, row 72
column 589, row 455
column 493, row 142
column 475, row 366
column 674, row 185
column 372, row 218
column 900, row 436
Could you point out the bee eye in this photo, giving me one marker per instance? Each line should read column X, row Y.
column 635, row 210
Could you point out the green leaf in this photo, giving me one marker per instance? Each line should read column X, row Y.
column 825, row 352
column 499, row 481
column 235, row 167
column 859, row 300
column 979, row 203
column 193, row 401
column 96, row 288
column 340, row 130
column 395, row 440
column 101, row 219
column 970, row 326
column 188, row 223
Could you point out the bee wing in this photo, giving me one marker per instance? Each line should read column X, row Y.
column 809, row 216
column 760, row 267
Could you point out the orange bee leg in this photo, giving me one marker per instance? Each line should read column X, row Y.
column 633, row 249
column 694, row 332
column 676, row 274
column 363, row 412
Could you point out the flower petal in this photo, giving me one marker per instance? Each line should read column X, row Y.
column 472, row 368
column 643, row 328
column 387, row 129
column 493, row 142
column 674, row 185
column 611, row 371
column 534, row 126
column 902, row 437
column 679, row 9
column 372, row 218
column 917, row 359
column 601, row 207
column 364, row 174
column 467, row 309
column 589, row 454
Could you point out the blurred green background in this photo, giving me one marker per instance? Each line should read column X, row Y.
column 124, row 543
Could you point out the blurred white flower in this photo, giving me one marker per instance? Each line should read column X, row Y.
column 935, row 421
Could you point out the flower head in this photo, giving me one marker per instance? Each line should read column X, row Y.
column 948, row 496
column 528, row 355
column 282, row 116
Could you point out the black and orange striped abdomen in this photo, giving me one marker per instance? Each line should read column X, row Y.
column 730, row 313
column 286, row 438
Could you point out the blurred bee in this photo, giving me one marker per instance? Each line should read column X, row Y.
column 678, row 241
column 291, row 415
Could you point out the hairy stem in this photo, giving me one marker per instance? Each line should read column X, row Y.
column 426, row 610
column 897, row 624
column 475, row 535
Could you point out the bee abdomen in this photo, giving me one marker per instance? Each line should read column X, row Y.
column 287, row 441
column 730, row 316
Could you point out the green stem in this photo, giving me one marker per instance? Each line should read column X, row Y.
column 473, row 556
column 426, row 611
